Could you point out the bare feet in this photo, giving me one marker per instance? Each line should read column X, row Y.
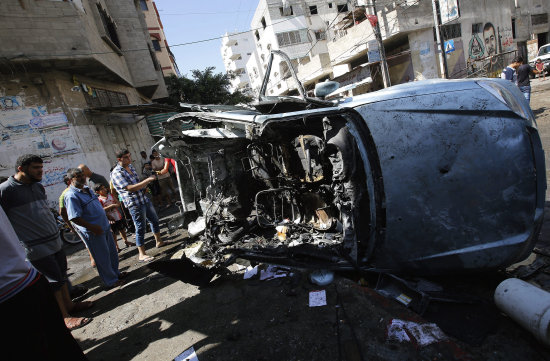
column 93, row 264
column 161, row 244
column 129, row 244
column 146, row 258
column 73, row 323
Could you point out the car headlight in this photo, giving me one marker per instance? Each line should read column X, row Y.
column 508, row 98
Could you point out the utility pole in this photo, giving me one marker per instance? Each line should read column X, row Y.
column 440, row 45
column 383, row 61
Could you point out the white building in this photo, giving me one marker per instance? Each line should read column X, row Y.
column 236, row 49
column 331, row 39
column 299, row 28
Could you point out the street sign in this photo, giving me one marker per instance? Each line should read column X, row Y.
column 449, row 46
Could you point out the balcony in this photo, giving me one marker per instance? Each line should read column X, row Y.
column 318, row 67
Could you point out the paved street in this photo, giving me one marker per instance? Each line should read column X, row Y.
column 156, row 316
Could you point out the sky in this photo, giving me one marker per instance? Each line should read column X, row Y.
column 186, row 21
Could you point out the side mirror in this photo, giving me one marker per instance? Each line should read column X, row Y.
column 325, row 88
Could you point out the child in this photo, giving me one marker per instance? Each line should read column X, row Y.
column 111, row 205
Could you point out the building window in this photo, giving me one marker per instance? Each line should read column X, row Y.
column 263, row 23
column 452, row 31
column 539, row 19
column 292, row 37
column 313, row 10
column 513, row 28
column 105, row 98
column 143, row 4
column 108, row 25
column 156, row 45
column 286, row 11
column 320, row 35
column 330, row 5
column 257, row 34
column 343, row 8
column 476, row 28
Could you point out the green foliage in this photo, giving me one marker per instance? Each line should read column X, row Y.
column 204, row 87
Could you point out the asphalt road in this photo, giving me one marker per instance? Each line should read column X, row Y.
column 157, row 315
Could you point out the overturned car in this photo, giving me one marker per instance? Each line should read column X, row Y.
column 427, row 177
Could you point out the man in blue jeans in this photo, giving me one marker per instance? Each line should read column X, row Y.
column 524, row 71
column 132, row 191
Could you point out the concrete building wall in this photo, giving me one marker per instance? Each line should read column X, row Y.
column 156, row 31
column 44, row 114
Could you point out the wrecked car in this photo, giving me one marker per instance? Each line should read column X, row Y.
column 428, row 177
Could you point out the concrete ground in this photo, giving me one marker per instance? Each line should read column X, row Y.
column 157, row 316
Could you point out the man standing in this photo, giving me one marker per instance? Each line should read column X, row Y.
column 28, row 308
column 524, row 84
column 23, row 199
column 93, row 178
column 509, row 73
column 86, row 212
column 127, row 184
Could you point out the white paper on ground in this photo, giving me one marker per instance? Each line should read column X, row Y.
column 187, row 355
column 274, row 272
column 424, row 334
column 250, row 272
column 317, row 298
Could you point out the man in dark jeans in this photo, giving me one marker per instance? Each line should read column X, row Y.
column 524, row 71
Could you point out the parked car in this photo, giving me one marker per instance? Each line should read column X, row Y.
column 428, row 177
column 544, row 55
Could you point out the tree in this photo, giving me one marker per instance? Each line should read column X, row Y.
column 204, row 87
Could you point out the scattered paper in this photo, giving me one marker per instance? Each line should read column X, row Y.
column 274, row 272
column 404, row 299
column 317, row 298
column 422, row 334
column 187, row 355
column 250, row 272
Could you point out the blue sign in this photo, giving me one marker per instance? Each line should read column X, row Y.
column 449, row 46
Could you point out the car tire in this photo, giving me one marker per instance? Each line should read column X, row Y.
column 69, row 237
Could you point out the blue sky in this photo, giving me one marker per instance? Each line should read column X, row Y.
column 187, row 21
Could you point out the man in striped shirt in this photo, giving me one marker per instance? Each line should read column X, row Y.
column 132, row 191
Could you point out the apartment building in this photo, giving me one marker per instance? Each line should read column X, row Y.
column 336, row 39
column 299, row 28
column 69, row 69
column 165, row 57
column 236, row 50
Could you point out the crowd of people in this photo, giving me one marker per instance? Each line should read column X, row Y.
column 93, row 208
column 520, row 73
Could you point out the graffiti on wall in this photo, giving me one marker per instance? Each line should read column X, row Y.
column 486, row 45
column 31, row 129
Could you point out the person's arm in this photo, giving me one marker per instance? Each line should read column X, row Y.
column 121, row 183
column 63, row 213
column 94, row 228
column 166, row 167
column 138, row 186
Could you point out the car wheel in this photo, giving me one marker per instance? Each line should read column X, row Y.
column 70, row 237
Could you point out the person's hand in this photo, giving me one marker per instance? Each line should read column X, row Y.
column 96, row 229
column 152, row 178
